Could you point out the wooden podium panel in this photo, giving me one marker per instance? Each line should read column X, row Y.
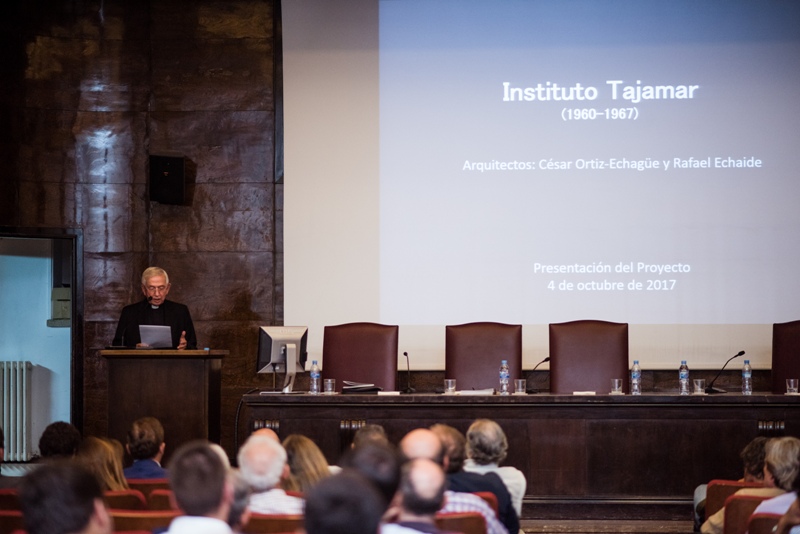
column 180, row 388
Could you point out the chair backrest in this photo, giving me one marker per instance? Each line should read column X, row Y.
column 273, row 523
column 129, row 499
column 10, row 520
column 762, row 523
column 361, row 352
column 142, row 519
column 161, row 499
column 738, row 509
column 473, row 352
column 586, row 355
column 464, row 522
column 785, row 347
column 146, row 485
column 9, row 500
column 490, row 498
column 719, row 490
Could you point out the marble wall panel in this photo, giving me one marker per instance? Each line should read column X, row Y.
column 225, row 147
column 114, row 218
column 111, row 282
column 49, row 204
column 232, row 197
column 232, row 19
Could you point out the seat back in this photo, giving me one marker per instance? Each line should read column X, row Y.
column 142, row 519
column 586, row 355
column 464, row 522
column 490, row 498
column 473, row 352
column 719, row 490
column 10, row 520
column 146, row 485
column 785, row 347
column 161, row 499
column 273, row 523
column 9, row 500
column 129, row 499
column 738, row 509
column 361, row 352
column 762, row 523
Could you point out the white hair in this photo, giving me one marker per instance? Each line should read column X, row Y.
column 261, row 462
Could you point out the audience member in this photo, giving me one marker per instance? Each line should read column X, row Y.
column 146, row 446
column 59, row 440
column 239, row 515
column 216, row 447
column 369, row 433
column 262, row 462
column 345, row 503
column 101, row 458
column 487, row 446
column 377, row 462
column 789, row 523
column 267, row 432
column 455, row 446
column 62, row 497
column 199, row 480
column 781, row 503
column 421, row 495
column 307, row 464
column 780, row 469
column 424, row 443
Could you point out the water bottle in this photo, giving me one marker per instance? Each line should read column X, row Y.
column 504, row 377
column 747, row 378
column 314, row 383
column 636, row 378
column 683, row 378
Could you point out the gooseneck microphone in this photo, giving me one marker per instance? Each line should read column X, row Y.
column 150, row 299
column 711, row 390
column 408, row 389
column 533, row 390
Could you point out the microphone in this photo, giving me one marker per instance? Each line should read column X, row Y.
column 408, row 389
column 711, row 390
column 533, row 390
column 149, row 299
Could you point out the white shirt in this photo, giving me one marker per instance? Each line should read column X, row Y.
column 512, row 477
column 776, row 505
column 190, row 524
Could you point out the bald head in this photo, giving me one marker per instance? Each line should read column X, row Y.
column 267, row 433
column 422, row 443
column 422, row 488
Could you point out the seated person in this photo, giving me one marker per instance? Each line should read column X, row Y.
column 146, row 447
column 101, row 458
column 307, row 464
column 62, row 497
column 421, row 495
column 262, row 463
column 781, row 503
column 345, row 503
column 780, row 469
column 59, row 440
column 155, row 309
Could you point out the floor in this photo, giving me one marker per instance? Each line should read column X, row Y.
column 541, row 526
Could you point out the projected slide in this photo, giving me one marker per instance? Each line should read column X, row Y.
column 545, row 161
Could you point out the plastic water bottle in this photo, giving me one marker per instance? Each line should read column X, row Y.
column 314, row 383
column 504, row 372
column 636, row 378
column 683, row 378
column 747, row 378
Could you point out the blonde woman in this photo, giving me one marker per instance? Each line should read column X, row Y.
column 307, row 464
column 103, row 458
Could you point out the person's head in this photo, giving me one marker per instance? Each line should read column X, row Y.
column 455, row 446
column 379, row 463
column 307, row 464
column 155, row 284
column 422, row 486
column 63, row 497
column 369, row 434
column 267, row 433
column 781, row 463
column 59, row 440
column 239, row 514
column 146, row 439
column 486, row 442
column 423, row 443
column 345, row 503
column 753, row 459
column 262, row 462
column 199, row 480
column 102, row 459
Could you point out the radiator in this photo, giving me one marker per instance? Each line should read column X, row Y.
column 15, row 410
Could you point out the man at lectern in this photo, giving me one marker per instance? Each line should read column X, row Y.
column 155, row 309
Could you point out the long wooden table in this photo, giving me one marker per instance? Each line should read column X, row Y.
column 590, row 456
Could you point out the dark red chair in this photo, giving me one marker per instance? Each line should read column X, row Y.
column 719, row 490
column 464, row 522
column 738, row 509
column 9, row 499
column 146, row 485
column 785, row 351
column 361, row 352
column 586, row 355
column 473, row 351
column 129, row 499
column 762, row 523
column 10, row 521
column 273, row 523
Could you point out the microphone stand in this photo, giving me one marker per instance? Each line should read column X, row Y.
column 408, row 389
column 533, row 390
column 711, row 390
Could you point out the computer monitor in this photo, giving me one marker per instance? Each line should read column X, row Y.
column 282, row 349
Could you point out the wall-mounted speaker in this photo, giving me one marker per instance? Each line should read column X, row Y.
column 167, row 179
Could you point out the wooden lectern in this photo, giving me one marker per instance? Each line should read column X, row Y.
column 180, row 388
